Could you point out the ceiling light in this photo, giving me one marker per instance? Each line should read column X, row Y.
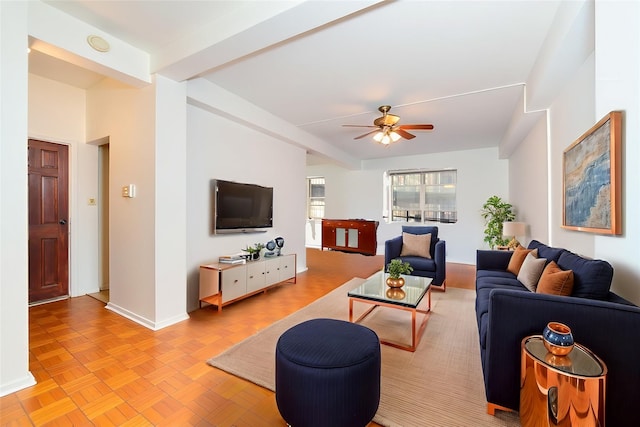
column 386, row 137
column 98, row 43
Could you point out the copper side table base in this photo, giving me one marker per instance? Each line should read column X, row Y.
column 554, row 392
column 492, row 408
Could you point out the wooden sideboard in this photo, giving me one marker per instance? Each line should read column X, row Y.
column 350, row 235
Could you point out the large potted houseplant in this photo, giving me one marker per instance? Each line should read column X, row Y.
column 495, row 211
column 395, row 268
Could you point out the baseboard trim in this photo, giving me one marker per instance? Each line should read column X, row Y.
column 11, row 387
column 154, row 326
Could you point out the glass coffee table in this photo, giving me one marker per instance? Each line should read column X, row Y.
column 375, row 291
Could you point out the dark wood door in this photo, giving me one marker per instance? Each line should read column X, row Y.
column 48, row 220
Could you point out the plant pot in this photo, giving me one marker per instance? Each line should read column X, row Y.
column 557, row 338
column 395, row 282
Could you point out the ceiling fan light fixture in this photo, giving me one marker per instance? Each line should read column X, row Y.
column 386, row 137
column 388, row 130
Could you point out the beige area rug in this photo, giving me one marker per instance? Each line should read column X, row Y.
column 439, row 385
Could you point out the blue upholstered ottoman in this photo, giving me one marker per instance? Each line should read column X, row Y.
column 328, row 374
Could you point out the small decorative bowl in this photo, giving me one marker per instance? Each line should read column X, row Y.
column 558, row 339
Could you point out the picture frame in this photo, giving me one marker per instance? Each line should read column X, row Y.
column 591, row 179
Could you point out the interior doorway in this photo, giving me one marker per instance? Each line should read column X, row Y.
column 103, row 224
column 48, row 177
column 103, row 220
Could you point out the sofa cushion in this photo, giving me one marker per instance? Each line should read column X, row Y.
column 530, row 271
column 555, row 281
column 496, row 282
column 419, row 263
column 591, row 277
column 544, row 251
column 517, row 259
column 416, row 245
column 495, row 273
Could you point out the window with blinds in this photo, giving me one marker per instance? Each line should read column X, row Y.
column 422, row 196
column 315, row 197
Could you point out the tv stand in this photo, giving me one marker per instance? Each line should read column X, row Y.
column 222, row 284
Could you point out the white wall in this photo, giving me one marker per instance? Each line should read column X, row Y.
column 171, row 202
column 219, row 148
column 570, row 116
column 528, row 183
column 14, row 326
column 536, row 164
column 609, row 80
column 57, row 113
column 127, row 117
column 359, row 194
column 618, row 88
column 147, row 138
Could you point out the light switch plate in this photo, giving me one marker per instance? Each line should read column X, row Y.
column 129, row 191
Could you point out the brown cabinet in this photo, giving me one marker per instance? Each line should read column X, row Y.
column 351, row 235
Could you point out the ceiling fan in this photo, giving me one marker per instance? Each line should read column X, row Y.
column 387, row 130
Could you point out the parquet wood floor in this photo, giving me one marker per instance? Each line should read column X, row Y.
column 94, row 367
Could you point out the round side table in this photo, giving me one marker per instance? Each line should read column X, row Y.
column 560, row 391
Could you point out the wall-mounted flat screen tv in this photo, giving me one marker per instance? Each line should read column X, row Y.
column 241, row 208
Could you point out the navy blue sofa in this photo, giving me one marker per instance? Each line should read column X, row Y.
column 604, row 322
column 434, row 268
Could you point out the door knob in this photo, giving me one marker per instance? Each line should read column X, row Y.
column 63, row 222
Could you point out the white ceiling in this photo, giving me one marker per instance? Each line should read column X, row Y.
column 460, row 65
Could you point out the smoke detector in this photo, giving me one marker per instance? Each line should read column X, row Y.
column 98, row 43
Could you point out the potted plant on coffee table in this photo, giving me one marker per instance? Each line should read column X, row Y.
column 395, row 268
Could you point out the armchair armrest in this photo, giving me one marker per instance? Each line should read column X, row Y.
column 608, row 329
column 492, row 260
column 392, row 249
column 441, row 262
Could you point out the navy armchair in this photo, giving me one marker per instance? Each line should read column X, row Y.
column 435, row 267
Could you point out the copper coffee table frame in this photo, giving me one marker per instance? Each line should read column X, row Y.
column 420, row 286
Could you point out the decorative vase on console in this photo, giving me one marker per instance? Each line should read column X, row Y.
column 395, row 268
column 280, row 244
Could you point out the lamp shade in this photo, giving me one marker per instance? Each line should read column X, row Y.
column 513, row 229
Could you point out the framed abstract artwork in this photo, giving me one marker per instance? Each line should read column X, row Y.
column 591, row 179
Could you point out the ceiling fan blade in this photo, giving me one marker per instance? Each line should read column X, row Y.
column 359, row 126
column 368, row 133
column 404, row 133
column 417, row 127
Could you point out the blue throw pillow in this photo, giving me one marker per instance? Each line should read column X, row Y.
column 591, row 277
column 544, row 251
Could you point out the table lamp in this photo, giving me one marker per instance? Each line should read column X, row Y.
column 513, row 229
